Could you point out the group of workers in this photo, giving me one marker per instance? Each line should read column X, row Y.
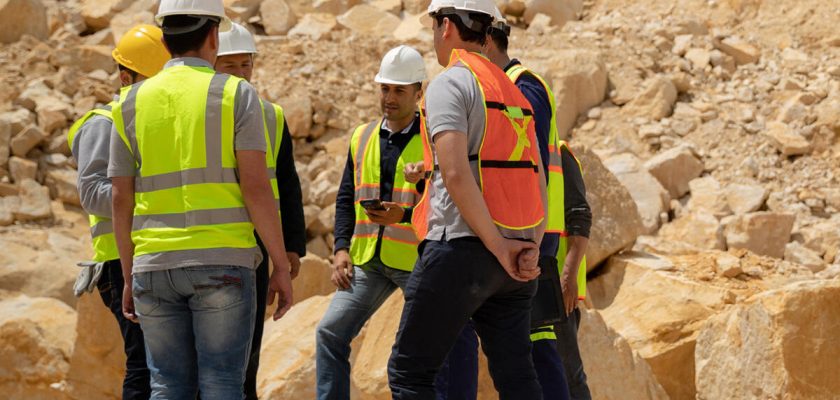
column 464, row 197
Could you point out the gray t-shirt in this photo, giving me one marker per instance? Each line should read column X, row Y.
column 454, row 103
column 249, row 134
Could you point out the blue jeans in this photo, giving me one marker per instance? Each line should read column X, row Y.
column 371, row 285
column 197, row 323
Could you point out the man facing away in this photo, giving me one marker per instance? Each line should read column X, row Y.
column 188, row 168
column 481, row 217
column 139, row 54
column 237, row 51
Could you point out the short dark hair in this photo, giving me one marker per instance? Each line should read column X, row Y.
column 418, row 86
column 130, row 71
column 467, row 34
column 185, row 42
column 500, row 39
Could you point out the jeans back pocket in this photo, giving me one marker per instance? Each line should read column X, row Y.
column 218, row 287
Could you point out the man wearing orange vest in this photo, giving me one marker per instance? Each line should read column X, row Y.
column 140, row 54
column 481, row 217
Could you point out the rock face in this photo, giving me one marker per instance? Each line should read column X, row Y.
column 615, row 218
column 756, row 350
column 22, row 17
column 650, row 197
column 97, row 366
column 658, row 313
column 36, row 339
column 613, row 370
column 675, row 168
column 763, row 233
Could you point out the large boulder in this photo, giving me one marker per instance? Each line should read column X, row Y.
column 615, row 218
column 613, row 370
column 315, row 26
column 559, row 11
column 655, row 101
column 658, row 312
column 651, row 198
column 763, row 233
column 22, row 17
column 370, row 372
column 313, row 279
column 370, row 20
column 675, row 168
column 277, row 17
column 98, row 13
column 782, row 345
column 34, row 202
column 36, row 340
column 97, row 366
column 699, row 229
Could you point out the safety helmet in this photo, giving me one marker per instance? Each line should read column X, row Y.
column 198, row 8
column 141, row 50
column 238, row 40
column 500, row 23
column 462, row 9
column 402, row 65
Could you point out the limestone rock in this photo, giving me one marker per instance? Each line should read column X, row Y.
column 62, row 185
column 707, row 195
column 18, row 119
column 783, row 345
column 242, row 9
column 699, row 229
column 98, row 13
column 8, row 205
column 745, row 198
column 277, row 17
column 97, row 366
column 313, row 279
column 314, row 26
column 658, row 313
column 560, row 12
column 579, row 81
column 370, row 20
column 412, row 28
column 416, row 6
column 650, row 197
column 740, row 50
column 616, row 222
column 318, row 246
column 139, row 12
column 763, row 233
column 391, row 6
column 34, row 201
column 613, row 370
column 334, row 7
column 369, row 372
column 22, row 169
column 797, row 253
column 675, row 168
column 53, row 113
column 5, row 141
column 287, row 361
column 323, row 193
column 297, row 108
column 326, row 220
column 26, row 140
column 656, row 100
column 36, row 340
column 27, row 250
column 788, row 142
column 22, row 17
column 92, row 58
column 699, row 58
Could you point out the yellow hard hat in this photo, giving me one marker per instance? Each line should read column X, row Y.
column 141, row 50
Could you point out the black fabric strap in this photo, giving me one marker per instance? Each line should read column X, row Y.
column 508, row 164
column 500, row 106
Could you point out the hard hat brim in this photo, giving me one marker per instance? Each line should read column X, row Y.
column 380, row 79
column 234, row 52
column 224, row 26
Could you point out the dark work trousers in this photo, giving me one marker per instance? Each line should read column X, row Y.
column 259, row 323
column 567, row 348
column 458, row 376
column 137, row 381
column 452, row 282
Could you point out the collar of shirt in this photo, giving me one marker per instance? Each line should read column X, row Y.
column 407, row 129
column 188, row 61
column 511, row 64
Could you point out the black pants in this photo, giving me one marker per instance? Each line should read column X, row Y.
column 567, row 348
column 452, row 282
column 259, row 323
column 136, row 385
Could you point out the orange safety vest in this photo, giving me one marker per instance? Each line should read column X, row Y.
column 508, row 174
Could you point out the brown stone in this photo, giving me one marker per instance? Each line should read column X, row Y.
column 21, row 169
column 315, row 26
column 655, row 101
column 98, row 13
column 788, row 142
column 675, row 168
column 416, row 6
column 97, row 365
column 370, row 20
column 579, row 82
column 650, row 197
column 26, row 140
column 62, row 185
column 559, row 12
column 313, row 279
column 53, row 113
column 22, row 17
column 277, row 17
column 5, row 141
column 763, row 233
column 745, row 198
column 699, row 229
column 708, row 196
column 34, row 201
column 741, row 51
column 799, row 254
column 242, row 9
column 782, row 345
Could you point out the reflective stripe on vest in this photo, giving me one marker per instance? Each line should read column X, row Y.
column 507, row 169
column 543, row 333
column 556, row 218
column 399, row 244
column 179, row 125
column 101, row 230
column 274, row 124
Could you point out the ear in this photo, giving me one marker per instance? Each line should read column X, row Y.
column 126, row 79
column 448, row 27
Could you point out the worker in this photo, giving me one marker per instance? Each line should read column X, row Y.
column 375, row 246
column 555, row 350
column 190, row 185
column 481, row 217
column 139, row 54
column 237, row 51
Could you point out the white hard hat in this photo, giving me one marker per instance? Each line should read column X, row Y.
column 478, row 6
column 500, row 23
column 402, row 65
column 238, row 40
column 209, row 8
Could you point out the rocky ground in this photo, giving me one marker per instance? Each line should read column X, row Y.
column 708, row 132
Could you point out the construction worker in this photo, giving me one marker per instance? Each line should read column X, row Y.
column 563, row 246
column 375, row 246
column 237, row 51
column 139, row 54
column 481, row 216
column 190, row 185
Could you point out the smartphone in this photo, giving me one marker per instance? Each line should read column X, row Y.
column 373, row 204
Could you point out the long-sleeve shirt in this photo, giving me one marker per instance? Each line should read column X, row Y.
column 577, row 211
column 91, row 148
column 291, row 200
column 391, row 146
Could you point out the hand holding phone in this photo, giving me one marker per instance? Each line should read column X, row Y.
column 373, row 204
